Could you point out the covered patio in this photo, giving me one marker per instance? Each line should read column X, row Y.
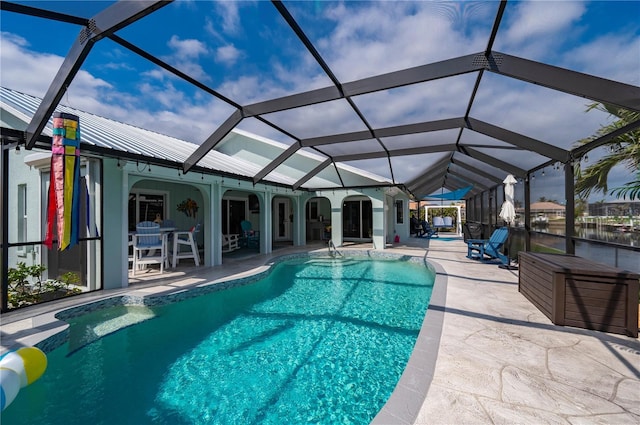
column 362, row 126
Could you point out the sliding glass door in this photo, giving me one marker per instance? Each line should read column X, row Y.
column 357, row 219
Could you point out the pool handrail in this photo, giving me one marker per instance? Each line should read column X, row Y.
column 335, row 250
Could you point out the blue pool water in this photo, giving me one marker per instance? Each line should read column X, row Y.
column 320, row 341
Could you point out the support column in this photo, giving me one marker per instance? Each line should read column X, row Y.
column 570, row 213
column 266, row 224
column 116, row 183
column 4, row 229
column 527, row 213
column 124, row 229
column 213, row 252
column 336, row 220
column 299, row 222
column 379, row 221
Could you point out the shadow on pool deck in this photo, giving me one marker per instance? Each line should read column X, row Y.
column 485, row 354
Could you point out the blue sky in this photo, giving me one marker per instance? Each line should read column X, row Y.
column 247, row 52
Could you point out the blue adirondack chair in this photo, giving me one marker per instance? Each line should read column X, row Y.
column 489, row 249
column 250, row 238
column 427, row 231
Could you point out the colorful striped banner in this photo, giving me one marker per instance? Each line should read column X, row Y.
column 64, row 185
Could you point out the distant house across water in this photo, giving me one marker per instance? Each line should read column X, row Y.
column 620, row 208
column 542, row 212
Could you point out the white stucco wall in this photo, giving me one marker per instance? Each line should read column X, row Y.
column 114, row 229
column 22, row 174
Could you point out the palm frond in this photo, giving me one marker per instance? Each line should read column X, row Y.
column 632, row 189
column 624, row 150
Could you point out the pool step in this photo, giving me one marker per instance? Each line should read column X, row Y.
column 83, row 333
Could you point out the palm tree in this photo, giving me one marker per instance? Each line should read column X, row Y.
column 544, row 199
column 581, row 207
column 624, row 150
column 632, row 189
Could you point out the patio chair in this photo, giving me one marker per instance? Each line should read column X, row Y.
column 130, row 246
column 416, row 227
column 250, row 237
column 149, row 246
column 230, row 243
column 186, row 238
column 427, row 231
column 472, row 230
column 485, row 250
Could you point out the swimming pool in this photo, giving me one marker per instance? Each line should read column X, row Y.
column 320, row 340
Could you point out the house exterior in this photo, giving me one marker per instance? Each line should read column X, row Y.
column 619, row 208
column 131, row 174
column 544, row 211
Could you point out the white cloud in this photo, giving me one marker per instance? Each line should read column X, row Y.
column 24, row 70
column 155, row 74
column 210, row 28
column 228, row 11
column 228, row 54
column 118, row 65
column 540, row 21
column 623, row 58
column 32, row 73
column 404, row 35
column 186, row 56
column 186, row 49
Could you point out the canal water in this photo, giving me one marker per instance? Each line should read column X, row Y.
column 622, row 238
column 612, row 255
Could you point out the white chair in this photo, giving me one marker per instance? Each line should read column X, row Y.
column 149, row 246
column 130, row 247
column 230, row 243
column 186, row 238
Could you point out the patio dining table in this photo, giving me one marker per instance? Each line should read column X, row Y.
column 152, row 252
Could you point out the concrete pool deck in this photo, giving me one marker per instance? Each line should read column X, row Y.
column 500, row 360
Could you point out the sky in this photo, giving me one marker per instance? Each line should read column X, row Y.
column 245, row 51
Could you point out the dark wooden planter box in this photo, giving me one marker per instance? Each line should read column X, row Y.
column 53, row 295
column 574, row 291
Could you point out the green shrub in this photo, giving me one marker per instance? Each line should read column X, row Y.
column 27, row 287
